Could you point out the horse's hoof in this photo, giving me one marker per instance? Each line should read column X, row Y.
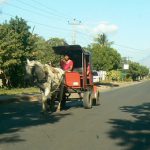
column 58, row 110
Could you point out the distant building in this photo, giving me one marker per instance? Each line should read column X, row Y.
column 102, row 75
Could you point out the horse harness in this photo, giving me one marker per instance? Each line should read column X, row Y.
column 40, row 77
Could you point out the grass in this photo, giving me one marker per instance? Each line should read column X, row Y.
column 16, row 91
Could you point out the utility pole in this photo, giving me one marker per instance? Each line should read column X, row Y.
column 74, row 24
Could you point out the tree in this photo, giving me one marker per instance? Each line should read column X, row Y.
column 50, row 55
column 137, row 71
column 43, row 50
column 144, row 71
column 16, row 45
column 102, row 40
column 56, row 42
column 104, row 58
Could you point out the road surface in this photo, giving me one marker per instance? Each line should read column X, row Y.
column 122, row 122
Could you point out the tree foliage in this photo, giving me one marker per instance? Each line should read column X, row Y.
column 16, row 45
column 114, row 75
column 55, row 59
column 105, row 58
column 137, row 71
column 44, row 49
column 103, row 41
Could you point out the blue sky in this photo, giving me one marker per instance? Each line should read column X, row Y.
column 126, row 23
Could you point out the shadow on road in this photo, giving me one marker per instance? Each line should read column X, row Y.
column 133, row 134
column 107, row 84
column 23, row 114
column 74, row 103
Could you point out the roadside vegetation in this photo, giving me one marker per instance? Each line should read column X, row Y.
column 16, row 91
column 17, row 43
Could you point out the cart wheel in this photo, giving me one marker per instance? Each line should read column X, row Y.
column 96, row 99
column 87, row 99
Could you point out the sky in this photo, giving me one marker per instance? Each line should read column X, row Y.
column 125, row 22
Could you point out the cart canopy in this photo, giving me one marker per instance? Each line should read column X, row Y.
column 69, row 50
column 76, row 53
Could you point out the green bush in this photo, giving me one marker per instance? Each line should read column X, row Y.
column 114, row 75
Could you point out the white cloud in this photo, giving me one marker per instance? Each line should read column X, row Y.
column 102, row 27
column 105, row 27
column 2, row 1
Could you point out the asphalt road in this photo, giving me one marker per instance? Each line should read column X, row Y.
column 121, row 122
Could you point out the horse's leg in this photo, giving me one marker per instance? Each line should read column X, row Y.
column 44, row 99
column 52, row 102
column 45, row 95
column 61, row 92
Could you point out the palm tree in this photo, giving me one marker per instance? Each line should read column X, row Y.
column 103, row 41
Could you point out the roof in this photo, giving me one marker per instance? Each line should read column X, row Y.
column 62, row 50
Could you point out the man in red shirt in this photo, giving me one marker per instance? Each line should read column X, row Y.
column 66, row 64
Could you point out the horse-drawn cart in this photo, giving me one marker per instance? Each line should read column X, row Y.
column 78, row 81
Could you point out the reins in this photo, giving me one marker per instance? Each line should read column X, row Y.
column 54, row 71
column 61, row 79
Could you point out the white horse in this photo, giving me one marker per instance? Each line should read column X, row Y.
column 47, row 78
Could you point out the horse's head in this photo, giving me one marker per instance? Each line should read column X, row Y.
column 29, row 66
column 35, row 70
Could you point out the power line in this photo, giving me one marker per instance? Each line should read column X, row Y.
column 123, row 46
column 41, row 24
column 52, row 27
column 131, row 48
column 49, row 26
column 41, row 10
column 28, row 10
column 87, row 35
column 75, row 23
column 53, row 10
column 128, row 47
